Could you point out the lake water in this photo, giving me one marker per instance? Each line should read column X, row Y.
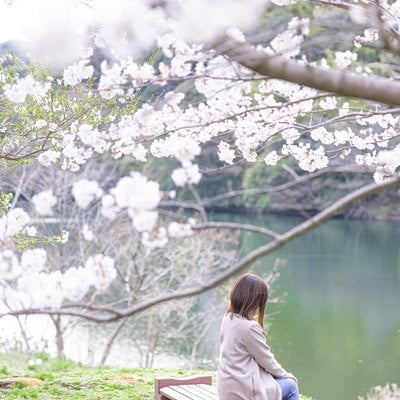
column 339, row 329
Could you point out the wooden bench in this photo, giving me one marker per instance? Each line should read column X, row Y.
column 191, row 388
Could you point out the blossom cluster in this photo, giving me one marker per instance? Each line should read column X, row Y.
column 26, row 282
column 44, row 202
column 24, row 87
column 13, row 223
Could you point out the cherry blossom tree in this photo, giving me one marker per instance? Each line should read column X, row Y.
column 189, row 76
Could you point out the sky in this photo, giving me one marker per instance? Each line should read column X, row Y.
column 9, row 23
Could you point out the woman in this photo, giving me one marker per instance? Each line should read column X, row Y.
column 247, row 370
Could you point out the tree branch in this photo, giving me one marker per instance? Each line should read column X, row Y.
column 232, row 225
column 340, row 82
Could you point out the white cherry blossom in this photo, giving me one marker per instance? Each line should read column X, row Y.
column 24, row 87
column 13, row 223
column 177, row 230
column 225, row 153
column 101, row 271
column 87, row 233
column 272, row 158
column 33, row 260
column 143, row 220
column 44, row 202
column 77, row 72
column 85, row 192
column 344, row 58
column 189, row 174
column 48, row 157
column 155, row 239
column 76, row 282
column 111, row 80
column 43, row 289
column 136, row 192
column 109, row 206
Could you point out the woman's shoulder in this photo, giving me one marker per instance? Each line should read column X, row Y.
column 238, row 320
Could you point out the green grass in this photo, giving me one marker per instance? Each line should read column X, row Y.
column 65, row 380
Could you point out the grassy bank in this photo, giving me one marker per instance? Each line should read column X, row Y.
column 64, row 380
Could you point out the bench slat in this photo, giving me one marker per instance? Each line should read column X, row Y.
column 211, row 389
column 197, row 387
column 172, row 394
column 205, row 392
column 193, row 392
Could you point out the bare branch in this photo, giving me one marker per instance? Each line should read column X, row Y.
column 336, row 3
column 232, row 225
column 18, row 190
column 111, row 341
column 43, row 311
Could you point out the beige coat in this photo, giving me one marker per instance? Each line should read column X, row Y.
column 246, row 366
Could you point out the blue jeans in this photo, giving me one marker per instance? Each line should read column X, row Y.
column 290, row 390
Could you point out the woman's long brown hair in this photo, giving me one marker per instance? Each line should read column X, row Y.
column 249, row 296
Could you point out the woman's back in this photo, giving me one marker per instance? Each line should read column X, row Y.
column 244, row 356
